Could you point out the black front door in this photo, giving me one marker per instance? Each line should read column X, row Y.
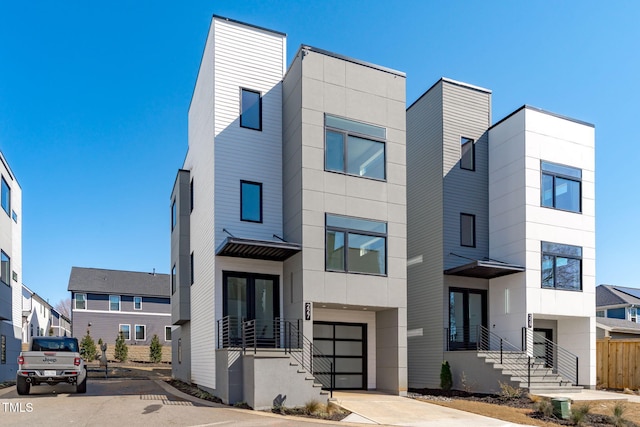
column 467, row 311
column 543, row 346
column 248, row 296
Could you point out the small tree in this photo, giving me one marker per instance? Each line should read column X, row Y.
column 155, row 350
column 446, row 380
column 121, row 352
column 88, row 348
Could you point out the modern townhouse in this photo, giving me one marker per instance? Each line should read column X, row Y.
column 40, row 319
column 107, row 302
column 288, row 223
column 10, row 271
column 501, row 254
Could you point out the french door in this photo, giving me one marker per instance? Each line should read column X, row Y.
column 467, row 311
column 248, row 296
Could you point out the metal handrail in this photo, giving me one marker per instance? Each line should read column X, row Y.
column 559, row 359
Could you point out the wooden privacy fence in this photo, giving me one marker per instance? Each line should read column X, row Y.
column 618, row 363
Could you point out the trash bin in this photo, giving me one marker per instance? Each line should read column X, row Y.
column 561, row 407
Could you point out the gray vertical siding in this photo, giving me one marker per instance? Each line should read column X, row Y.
column 181, row 249
column 424, row 225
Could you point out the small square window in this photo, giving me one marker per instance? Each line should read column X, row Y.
column 250, row 109
column 167, row 333
column 250, row 201
column 141, row 332
column 126, row 331
column 81, row 301
column 114, row 302
column 467, row 230
column 137, row 303
column 467, row 154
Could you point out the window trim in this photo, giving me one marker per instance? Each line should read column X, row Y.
column 346, row 232
column 555, row 256
column 473, row 152
column 257, row 92
column 473, row 235
column 165, row 333
column 75, row 301
column 119, row 302
column 135, row 333
column 259, row 184
column 555, row 175
column 128, row 325
column 3, row 254
column 134, row 303
column 349, row 132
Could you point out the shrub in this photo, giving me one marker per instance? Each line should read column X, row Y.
column 155, row 350
column 446, row 380
column 121, row 351
column 579, row 414
column 618, row 415
column 88, row 348
column 507, row 391
column 544, row 406
column 312, row 406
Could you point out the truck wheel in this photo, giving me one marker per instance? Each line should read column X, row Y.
column 22, row 386
column 82, row 387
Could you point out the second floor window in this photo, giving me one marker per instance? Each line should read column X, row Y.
column 467, row 154
column 114, row 302
column 561, row 266
column 5, row 197
column 561, row 187
column 250, row 201
column 173, row 280
column 467, row 230
column 137, row 303
column 81, row 301
column 174, row 214
column 250, row 109
column 354, row 148
column 5, row 268
column 355, row 245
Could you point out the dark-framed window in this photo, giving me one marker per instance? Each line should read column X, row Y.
column 355, row 245
column 561, row 187
column 140, row 332
column 191, row 262
column 173, row 279
column 191, row 196
column 81, row 301
column 5, row 268
column 167, row 333
column 467, row 230
column 467, row 154
column 561, row 266
column 5, row 197
column 174, row 214
column 137, row 303
column 250, row 109
column 354, row 148
column 250, row 201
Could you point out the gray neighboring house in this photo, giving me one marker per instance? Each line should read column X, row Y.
column 617, row 329
column 108, row 301
column 617, row 302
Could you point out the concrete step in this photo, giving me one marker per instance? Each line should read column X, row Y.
column 534, row 389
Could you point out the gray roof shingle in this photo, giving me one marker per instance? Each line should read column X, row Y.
column 100, row 281
column 607, row 295
column 618, row 324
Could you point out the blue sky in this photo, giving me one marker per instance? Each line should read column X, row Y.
column 94, row 99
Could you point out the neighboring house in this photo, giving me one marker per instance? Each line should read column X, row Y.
column 288, row 217
column 40, row 319
column 617, row 328
column 618, row 302
column 106, row 302
column 501, row 246
column 10, row 271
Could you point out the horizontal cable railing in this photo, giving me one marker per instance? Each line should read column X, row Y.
column 559, row 359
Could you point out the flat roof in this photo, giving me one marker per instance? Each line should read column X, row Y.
column 540, row 110
column 353, row 60
column 454, row 82
column 224, row 18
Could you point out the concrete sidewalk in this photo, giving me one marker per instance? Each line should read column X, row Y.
column 385, row 409
column 587, row 394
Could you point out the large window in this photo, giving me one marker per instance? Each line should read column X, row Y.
column 467, row 154
column 250, row 201
column 5, row 197
column 468, row 230
column 114, row 302
column 250, row 109
column 5, row 268
column 354, row 148
column 561, row 266
column 126, row 331
column 356, row 245
column 141, row 333
column 81, row 301
column 561, row 187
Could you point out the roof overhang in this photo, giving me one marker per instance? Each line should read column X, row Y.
column 485, row 269
column 257, row 249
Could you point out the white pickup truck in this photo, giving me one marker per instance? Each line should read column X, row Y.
column 52, row 360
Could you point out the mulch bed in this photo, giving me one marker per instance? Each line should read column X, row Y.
column 522, row 402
